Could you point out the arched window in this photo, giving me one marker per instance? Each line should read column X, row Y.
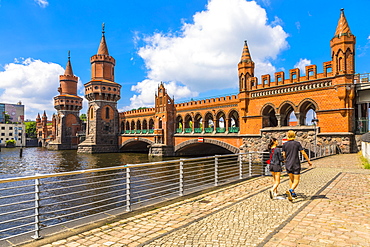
column 91, row 113
column 145, row 124
column 287, row 115
column 340, row 66
column 179, row 124
column 307, row 113
column 220, row 122
column 269, row 117
column 160, row 123
column 138, row 125
column 234, row 119
column 122, row 126
column 151, row 124
column 107, row 112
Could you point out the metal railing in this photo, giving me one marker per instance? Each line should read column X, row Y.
column 362, row 125
column 40, row 205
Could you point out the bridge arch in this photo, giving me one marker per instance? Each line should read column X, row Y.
column 137, row 144
column 209, row 146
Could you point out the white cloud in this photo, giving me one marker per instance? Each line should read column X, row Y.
column 204, row 54
column 42, row 3
column 32, row 82
column 301, row 65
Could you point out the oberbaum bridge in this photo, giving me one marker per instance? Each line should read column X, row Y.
column 337, row 98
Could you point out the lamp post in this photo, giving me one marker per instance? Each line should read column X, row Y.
column 315, row 121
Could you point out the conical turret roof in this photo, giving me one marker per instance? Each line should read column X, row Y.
column 103, row 48
column 68, row 70
column 342, row 27
column 246, row 56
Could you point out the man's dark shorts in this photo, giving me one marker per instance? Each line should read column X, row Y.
column 295, row 169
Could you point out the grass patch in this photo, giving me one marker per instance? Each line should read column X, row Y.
column 365, row 163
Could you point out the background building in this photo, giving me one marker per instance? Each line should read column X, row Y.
column 12, row 123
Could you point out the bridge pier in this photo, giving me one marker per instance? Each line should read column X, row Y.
column 161, row 150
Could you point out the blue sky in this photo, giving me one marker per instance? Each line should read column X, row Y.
column 192, row 46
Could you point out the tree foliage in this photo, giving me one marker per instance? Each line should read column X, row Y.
column 30, row 129
column 83, row 117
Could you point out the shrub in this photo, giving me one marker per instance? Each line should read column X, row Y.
column 365, row 163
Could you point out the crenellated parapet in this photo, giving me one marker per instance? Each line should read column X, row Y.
column 206, row 102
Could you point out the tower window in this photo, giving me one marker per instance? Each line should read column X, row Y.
column 107, row 112
column 91, row 113
column 96, row 87
column 104, row 88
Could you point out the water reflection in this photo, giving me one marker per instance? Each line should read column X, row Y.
column 37, row 160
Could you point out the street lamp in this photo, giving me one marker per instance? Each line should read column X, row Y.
column 315, row 121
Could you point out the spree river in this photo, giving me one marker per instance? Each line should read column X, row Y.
column 37, row 160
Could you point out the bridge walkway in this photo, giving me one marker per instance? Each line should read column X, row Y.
column 332, row 209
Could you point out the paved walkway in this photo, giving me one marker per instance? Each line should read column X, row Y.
column 332, row 209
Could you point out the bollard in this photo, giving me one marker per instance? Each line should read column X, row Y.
column 20, row 153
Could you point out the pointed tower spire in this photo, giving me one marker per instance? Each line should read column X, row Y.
column 342, row 27
column 103, row 48
column 245, row 69
column 343, row 48
column 246, row 56
column 69, row 70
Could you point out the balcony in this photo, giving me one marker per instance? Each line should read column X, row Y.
column 233, row 129
column 220, row 130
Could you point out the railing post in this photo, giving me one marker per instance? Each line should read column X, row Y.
column 181, row 185
column 37, row 210
column 240, row 166
column 250, row 164
column 216, row 170
column 128, row 190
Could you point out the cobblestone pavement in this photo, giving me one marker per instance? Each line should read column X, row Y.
column 331, row 210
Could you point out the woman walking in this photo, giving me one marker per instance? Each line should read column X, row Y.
column 275, row 165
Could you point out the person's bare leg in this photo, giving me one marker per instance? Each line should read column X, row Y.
column 291, row 179
column 296, row 179
column 276, row 176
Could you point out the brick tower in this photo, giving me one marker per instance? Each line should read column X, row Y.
column 343, row 48
column 164, row 125
column 246, row 74
column 68, row 104
column 102, row 93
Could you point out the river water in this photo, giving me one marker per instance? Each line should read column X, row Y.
column 37, row 160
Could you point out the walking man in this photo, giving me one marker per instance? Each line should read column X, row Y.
column 291, row 151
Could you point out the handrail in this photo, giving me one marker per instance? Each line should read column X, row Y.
column 54, row 198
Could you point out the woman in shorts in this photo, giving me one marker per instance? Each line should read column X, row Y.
column 275, row 161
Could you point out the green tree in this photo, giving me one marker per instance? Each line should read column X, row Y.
column 31, row 129
column 83, row 117
column 7, row 118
